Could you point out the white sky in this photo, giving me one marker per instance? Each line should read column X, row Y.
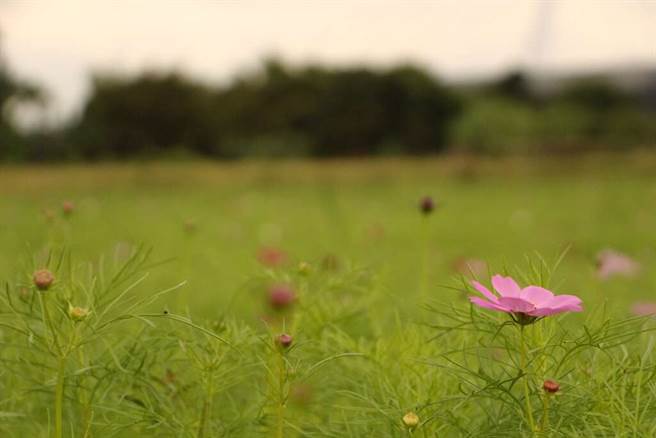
column 58, row 42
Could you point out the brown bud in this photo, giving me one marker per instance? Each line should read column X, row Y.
column 551, row 386
column 426, row 205
column 68, row 207
column 43, row 279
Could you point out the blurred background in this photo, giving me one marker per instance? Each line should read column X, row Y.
column 142, row 79
column 236, row 138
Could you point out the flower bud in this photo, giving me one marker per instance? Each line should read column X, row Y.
column 304, row 268
column 271, row 257
column 68, row 207
column 24, row 293
column 49, row 215
column 281, row 296
column 77, row 314
column 411, row 420
column 285, row 340
column 43, row 279
column 426, row 205
column 190, row 226
column 551, row 386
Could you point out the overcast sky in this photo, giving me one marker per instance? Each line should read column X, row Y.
column 58, row 42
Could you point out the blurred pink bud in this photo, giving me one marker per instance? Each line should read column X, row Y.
column 281, row 296
column 68, row 207
column 285, row 340
column 644, row 308
column 271, row 257
column 612, row 263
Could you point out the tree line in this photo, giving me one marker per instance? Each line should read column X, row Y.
column 320, row 111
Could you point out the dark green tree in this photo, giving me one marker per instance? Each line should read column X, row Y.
column 13, row 91
column 149, row 114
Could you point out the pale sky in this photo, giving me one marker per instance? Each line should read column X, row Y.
column 58, row 43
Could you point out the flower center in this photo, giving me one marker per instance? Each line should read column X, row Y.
column 523, row 318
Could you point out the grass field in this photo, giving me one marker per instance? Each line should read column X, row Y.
column 381, row 325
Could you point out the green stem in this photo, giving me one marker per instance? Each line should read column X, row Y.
column 423, row 279
column 82, row 395
column 59, row 398
column 545, row 414
column 207, row 404
column 48, row 323
column 280, row 431
column 527, row 394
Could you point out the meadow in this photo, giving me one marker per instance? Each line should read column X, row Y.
column 174, row 281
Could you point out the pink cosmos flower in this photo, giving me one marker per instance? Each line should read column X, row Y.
column 525, row 304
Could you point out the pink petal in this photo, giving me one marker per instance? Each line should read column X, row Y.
column 506, row 286
column 563, row 300
column 516, row 304
column 488, row 305
column 546, row 311
column 539, row 296
column 485, row 291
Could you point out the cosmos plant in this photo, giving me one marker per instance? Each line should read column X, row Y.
column 526, row 306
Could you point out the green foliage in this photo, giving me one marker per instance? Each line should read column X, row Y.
column 497, row 126
column 143, row 116
column 372, row 340
column 278, row 111
column 12, row 91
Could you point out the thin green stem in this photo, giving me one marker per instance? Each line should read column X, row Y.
column 82, row 395
column 61, row 369
column 423, row 279
column 59, row 398
column 48, row 323
column 280, row 429
column 207, row 404
column 544, row 428
column 527, row 393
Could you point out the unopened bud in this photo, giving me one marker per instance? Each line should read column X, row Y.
column 426, row 205
column 281, row 296
column 304, row 268
column 411, row 420
column 77, row 314
column 285, row 340
column 68, row 207
column 43, row 279
column 551, row 386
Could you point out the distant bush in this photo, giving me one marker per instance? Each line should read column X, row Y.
column 148, row 114
column 277, row 111
column 497, row 126
column 12, row 144
column 505, row 118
